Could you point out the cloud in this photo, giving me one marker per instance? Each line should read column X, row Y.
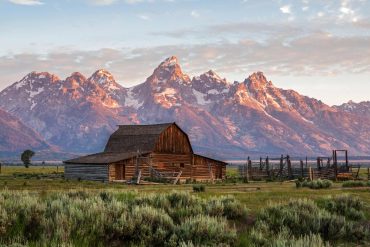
column 110, row 2
column 233, row 60
column 286, row 9
column 144, row 17
column 27, row 2
column 194, row 14
column 102, row 2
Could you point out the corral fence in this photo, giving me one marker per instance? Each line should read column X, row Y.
column 284, row 168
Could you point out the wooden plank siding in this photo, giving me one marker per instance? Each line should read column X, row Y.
column 173, row 140
column 192, row 167
column 201, row 168
column 86, row 172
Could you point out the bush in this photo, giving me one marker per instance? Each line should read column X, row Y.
column 315, row 184
column 207, row 230
column 355, row 184
column 199, row 188
column 348, row 206
column 331, row 219
column 80, row 218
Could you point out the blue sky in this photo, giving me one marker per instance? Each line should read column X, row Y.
column 319, row 48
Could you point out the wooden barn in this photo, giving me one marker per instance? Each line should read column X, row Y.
column 141, row 151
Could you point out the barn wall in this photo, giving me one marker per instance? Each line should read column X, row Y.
column 86, row 172
column 173, row 163
column 173, row 140
column 159, row 161
column 201, row 169
column 192, row 167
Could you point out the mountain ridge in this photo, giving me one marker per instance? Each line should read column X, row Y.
column 231, row 119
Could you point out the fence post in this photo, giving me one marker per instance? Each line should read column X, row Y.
column 310, row 173
column 247, row 171
column 302, row 175
column 289, row 166
column 368, row 173
column 306, row 161
column 260, row 163
column 250, row 168
column 267, row 167
column 281, row 164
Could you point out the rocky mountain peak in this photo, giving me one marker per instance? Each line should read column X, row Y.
column 169, row 62
column 211, row 75
column 42, row 75
column 102, row 73
column 169, row 70
column 257, row 81
column 105, row 79
column 76, row 76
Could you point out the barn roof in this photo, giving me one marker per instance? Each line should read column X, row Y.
column 131, row 138
column 101, row 158
column 125, row 142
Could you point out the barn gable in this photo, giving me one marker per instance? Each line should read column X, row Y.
column 133, row 138
column 173, row 140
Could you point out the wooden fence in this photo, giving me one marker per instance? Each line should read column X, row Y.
column 283, row 168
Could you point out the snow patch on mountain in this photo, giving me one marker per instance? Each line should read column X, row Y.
column 34, row 93
column 200, row 97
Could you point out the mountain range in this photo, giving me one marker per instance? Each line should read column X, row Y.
column 223, row 119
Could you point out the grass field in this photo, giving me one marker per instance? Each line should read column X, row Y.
column 254, row 195
column 46, row 182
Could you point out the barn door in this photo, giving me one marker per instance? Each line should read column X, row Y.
column 120, row 171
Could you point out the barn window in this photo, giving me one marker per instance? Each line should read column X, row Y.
column 182, row 165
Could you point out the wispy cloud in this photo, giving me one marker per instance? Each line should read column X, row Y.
column 286, row 9
column 27, row 2
column 144, row 17
column 110, row 2
column 194, row 13
column 102, row 2
column 132, row 66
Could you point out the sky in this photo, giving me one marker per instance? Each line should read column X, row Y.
column 320, row 48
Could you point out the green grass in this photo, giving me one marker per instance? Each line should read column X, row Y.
column 255, row 195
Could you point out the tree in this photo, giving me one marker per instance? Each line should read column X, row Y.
column 26, row 157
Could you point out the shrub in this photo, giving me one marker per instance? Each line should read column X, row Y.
column 348, row 206
column 354, row 184
column 207, row 230
column 80, row 218
column 199, row 188
column 332, row 219
column 315, row 184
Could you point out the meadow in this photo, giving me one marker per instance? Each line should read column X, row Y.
column 232, row 213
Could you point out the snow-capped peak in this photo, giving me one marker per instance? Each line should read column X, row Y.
column 169, row 70
column 257, row 81
column 105, row 79
column 213, row 75
column 102, row 73
column 169, row 62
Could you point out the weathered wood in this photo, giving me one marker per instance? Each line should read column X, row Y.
column 302, row 173
column 138, row 177
column 173, row 140
column 177, row 178
column 289, row 164
column 86, row 172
